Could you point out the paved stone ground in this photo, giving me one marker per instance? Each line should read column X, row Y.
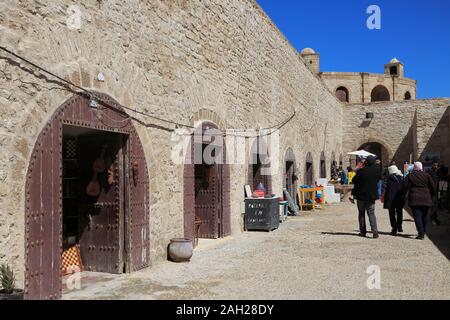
column 316, row 256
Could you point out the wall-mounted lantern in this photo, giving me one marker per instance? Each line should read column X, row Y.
column 369, row 116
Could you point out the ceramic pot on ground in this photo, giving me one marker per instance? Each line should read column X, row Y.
column 181, row 249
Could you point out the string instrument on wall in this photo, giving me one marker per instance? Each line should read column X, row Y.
column 93, row 188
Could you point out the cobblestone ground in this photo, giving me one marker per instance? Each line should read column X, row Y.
column 315, row 256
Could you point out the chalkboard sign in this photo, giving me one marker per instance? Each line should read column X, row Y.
column 291, row 202
column 262, row 214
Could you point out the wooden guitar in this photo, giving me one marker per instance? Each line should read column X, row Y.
column 93, row 188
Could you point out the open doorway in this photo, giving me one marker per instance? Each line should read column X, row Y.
column 290, row 173
column 259, row 166
column 309, row 170
column 93, row 184
column 379, row 150
column 323, row 166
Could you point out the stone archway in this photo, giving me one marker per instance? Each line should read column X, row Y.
column 121, row 204
column 380, row 93
column 379, row 150
column 207, row 184
column 342, row 94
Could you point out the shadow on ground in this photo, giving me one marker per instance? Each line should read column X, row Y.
column 439, row 235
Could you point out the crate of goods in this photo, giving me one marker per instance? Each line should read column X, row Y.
column 262, row 214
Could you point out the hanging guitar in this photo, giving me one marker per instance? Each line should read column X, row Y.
column 93, row 188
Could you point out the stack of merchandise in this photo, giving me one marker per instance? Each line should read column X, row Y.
column 329, row 192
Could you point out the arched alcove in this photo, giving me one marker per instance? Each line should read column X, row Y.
column 342, row 94
column 207, row 184
column 380, row 93
column 309, row 169
column 87, row 184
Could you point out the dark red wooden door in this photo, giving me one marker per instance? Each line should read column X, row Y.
column 207, row 199
column 44, row 215
column 138, row 198
column 101, row 240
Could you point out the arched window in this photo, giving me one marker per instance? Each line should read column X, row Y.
column 407, row 95
column 380, row 93
column 342, row 94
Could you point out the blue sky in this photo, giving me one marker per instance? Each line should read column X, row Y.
column 415, row 32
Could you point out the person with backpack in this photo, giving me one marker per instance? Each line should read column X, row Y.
column 394, row 198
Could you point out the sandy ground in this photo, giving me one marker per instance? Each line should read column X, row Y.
column 315, row 256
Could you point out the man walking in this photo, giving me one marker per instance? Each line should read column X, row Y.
column 366, row 193
column 434, row 173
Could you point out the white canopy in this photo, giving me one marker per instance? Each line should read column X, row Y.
column 361, row 153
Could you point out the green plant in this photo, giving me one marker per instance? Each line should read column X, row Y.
column 7, row 279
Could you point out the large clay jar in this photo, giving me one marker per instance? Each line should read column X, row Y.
column 181, row 249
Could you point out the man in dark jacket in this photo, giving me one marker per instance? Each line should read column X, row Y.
column 434, row 173
column 366, row 193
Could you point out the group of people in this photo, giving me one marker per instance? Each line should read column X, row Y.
column 417, row 187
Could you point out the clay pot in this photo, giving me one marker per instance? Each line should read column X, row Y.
column 181, row 249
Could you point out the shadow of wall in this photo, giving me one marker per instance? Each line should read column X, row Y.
column 439, row 235
column 437, row 147
column 407, row 149
column 436, row 143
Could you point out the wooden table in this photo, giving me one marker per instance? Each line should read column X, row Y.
column 313, row 192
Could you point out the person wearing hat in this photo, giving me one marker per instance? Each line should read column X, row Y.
column 365, row 191
column 421, row 189
column 394, row 198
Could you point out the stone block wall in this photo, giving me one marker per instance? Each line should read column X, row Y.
column 405, row 128
column 360, row 85
column 183, row 61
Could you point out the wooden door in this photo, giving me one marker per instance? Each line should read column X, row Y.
column 43, row 216
column 101, row 217
column 137, row 219
column 207, row 199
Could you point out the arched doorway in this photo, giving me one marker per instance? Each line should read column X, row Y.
column 342, row 94
column 87, row 184
column 323, row 165
column 380, row 93
column 379, row 150
column 207, row 184
column 309, row 169
column 259, row 166
column 290, row 178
